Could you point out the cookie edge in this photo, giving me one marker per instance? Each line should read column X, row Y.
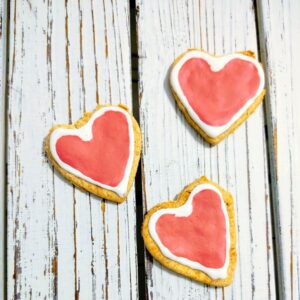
column 184, row 270
column 84, row 184
column 251, row 109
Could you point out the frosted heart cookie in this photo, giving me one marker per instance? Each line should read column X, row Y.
column 217, row 93
column 99, row 153
column 195, row 235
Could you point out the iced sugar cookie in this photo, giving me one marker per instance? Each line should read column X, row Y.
column 195, row 235
column 217, row 93
column 99, row 153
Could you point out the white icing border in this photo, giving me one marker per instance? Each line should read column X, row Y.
column 216, row 64
column 184, row 211
column 85, row 133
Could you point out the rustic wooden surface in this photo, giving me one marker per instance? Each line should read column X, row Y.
column 279, row 30
column 174, row 154
column 64, row 57
column 2, row 142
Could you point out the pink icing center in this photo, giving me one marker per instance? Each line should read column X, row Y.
column 199, row 237
column 104, row 157
column 217, row 96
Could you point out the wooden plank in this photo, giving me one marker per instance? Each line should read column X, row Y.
column 3, row 5
column 64, row 58
column 279, row 28
column 174, row 155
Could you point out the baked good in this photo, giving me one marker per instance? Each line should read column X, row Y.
column 195, row 235
column 99, row 153
column 217, row 93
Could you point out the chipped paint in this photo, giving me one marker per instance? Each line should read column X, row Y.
column 275, row 150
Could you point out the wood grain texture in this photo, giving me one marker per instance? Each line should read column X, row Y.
column 3, row 15
column 279, row 29
column 64, row 243
column 174, row 154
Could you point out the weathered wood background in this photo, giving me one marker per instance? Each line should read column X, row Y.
column 62, row 59
column 2, row 145
column 279, row 36
column 174, row 154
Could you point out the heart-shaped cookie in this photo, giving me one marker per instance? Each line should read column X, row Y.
column 217, row 94
column 99, row 153
column 195, row 235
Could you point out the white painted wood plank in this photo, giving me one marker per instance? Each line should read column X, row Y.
column 279, row 27
column 174, row 154
column 3, row 14
column 62, row 242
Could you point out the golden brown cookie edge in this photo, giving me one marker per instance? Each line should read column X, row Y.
column 196, row 275
column 83, row 184
column 251, row 109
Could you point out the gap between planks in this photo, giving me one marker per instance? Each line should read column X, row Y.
column 138, row 179
column 271, row 145
column 4, row 22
